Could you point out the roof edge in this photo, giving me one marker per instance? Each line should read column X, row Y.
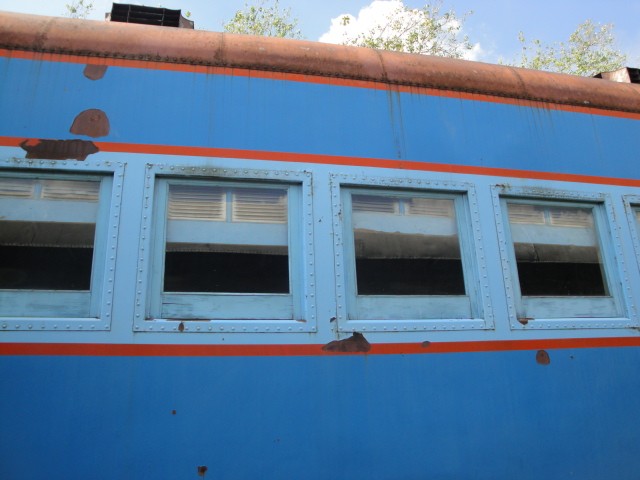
column 197, row 47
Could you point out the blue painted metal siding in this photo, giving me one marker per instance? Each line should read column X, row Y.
column 379, row 417
column 493, row 415
column 41, row 99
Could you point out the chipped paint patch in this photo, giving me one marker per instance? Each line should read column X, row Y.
column 95, row 72
column 353, row 344
column 92, row 123
column 542, row 357
column 58, row 149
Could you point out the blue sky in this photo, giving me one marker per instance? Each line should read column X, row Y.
column 493, row 25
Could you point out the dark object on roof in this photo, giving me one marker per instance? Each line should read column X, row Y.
column 623, row 75
column 163, row 17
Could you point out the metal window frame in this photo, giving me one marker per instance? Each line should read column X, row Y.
column 151, row 249
column 105, row 246
column 631, row 206
column 472, row 252
column 608, row 235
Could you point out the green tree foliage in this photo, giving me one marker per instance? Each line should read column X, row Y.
column 427, row 30
column 79, row 8
column 265, row 19
column 590, row 49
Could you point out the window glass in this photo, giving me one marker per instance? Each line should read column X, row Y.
column 223, row 239
column 406, row 245
column 557, row 250
column 47, row 232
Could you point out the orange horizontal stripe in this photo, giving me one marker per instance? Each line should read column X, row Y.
column 156, row 350
column 341, row 160
column 314, row 79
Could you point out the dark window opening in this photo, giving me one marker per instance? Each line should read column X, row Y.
column 560, row 279
column 46, row 255
column 226, row 272
column 416, row 276
column 45, row 268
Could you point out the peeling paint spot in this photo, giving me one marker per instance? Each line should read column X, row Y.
column 426, row 344
column 355, row 343
column 181, row 327
column 92, row 123
column 202, row 470
column 95, row 72
column 58, row 149
column 173, row 412
column 542, row 357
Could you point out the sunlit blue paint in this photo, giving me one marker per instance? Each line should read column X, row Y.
column 345, row 417
column 194, row 109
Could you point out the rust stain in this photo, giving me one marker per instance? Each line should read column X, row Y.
column 542, row 357
column 426, row 344
column 59, row 149
column 355, row 343
column 180, row 47
column 524, row 320
column 173, row 412
column 202, row 470
column 181, row 327
column 93, row 123
column 95, row 72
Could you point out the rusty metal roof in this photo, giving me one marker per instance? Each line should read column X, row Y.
column 197, row 47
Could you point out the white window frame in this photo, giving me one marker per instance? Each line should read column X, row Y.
column 51, row 310
column 471, row 250
column 564, row 312
column 230, row 312
column 632, row 205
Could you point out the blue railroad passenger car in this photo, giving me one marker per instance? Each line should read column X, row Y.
column 233, row 257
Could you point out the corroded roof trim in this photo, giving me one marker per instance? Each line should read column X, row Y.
column 197, row 47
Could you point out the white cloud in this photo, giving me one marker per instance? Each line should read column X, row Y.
column 376, row 16
column 476, row 53
column 368, row 18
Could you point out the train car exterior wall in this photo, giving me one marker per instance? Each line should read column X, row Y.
column 295, row 373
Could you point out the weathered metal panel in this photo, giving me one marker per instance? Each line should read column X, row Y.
column 143, row 42
column 383, row 417
column 322, row 401
column 269, row 115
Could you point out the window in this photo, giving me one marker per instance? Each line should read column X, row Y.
column 632, row 208
column 227, row 255
column 563, row 268
column 52, row 245
column 406, row 246
column 223, row 239
column 410, row 259
column 557, row 250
